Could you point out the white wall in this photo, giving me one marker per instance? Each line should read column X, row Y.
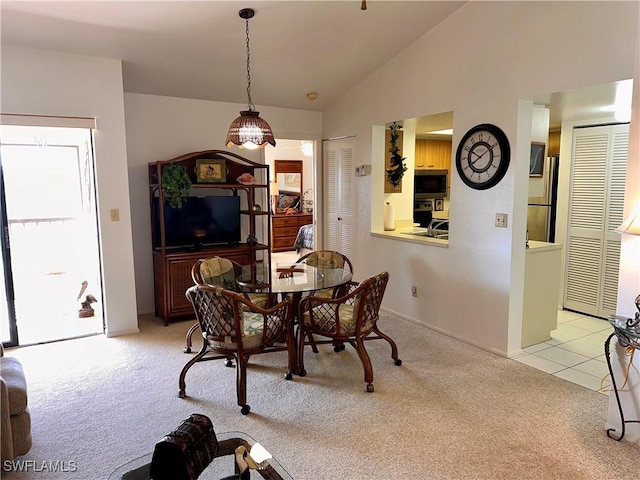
column 42, row 82
column 473, row 289
column 629, row 281
column 161, row 128
column 499, row 56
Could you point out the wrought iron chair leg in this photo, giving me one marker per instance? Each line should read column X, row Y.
column 394, row 347
column 241, row 383
column 181, row 383
column 300, row 352
column 312, row 342
column 190, row 333
column 366, row 363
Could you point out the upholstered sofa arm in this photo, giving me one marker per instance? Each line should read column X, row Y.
column 14, row 414
column 6, row 438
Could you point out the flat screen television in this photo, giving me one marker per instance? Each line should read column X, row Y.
column 202, row 221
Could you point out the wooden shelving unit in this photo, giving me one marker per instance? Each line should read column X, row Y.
column 172, row 267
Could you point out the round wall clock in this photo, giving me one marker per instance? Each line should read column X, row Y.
column 483, row 155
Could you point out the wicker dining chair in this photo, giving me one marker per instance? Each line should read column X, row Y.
column 221, row 272
column 327, row 259
column 234, row 327
column 351, row 318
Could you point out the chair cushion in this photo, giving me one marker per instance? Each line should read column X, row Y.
column 252, row 324
column 324, row 293
column 259, row 299
column 13, row 375
column 325, row 321
column 218, row 271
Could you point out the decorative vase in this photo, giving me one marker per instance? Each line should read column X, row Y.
column 389, row 222
column 252, row 240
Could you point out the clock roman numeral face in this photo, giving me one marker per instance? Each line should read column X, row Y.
column 483, row 156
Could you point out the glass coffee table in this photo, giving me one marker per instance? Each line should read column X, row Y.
column 224, row 465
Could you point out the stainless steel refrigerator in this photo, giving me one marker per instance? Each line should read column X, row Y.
column 543, row 195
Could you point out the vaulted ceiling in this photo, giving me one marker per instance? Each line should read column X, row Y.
column 197, row 49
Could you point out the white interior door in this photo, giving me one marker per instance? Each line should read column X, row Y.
column 596, row 210
column 339, row 195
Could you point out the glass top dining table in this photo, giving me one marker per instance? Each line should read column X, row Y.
column 290, row 278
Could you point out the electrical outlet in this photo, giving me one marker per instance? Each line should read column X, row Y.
column 501, row 220
column 115, row 215
column 414, row 291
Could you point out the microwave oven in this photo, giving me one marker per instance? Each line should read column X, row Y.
column 430, row 183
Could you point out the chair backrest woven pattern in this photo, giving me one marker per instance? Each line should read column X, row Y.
column 222, row 314
column 372, row 298
column 216, row 313
column 326, row 259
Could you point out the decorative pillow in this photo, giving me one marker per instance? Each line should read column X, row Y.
column 218, row 272
column 325, row 319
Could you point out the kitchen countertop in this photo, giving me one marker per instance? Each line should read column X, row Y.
column 405, row 234
column 536, row 246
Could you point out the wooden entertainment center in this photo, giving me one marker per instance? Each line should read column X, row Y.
column 172, row 266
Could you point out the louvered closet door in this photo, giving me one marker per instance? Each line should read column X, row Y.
column 596, row 209
column 338, row 201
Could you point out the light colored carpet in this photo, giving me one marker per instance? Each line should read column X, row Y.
column 451, row 411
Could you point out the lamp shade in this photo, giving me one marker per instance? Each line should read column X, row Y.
column 250, row 131
column 631, row 225
column 274, row 189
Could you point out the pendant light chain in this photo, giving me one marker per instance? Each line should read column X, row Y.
column 251, row 106
column 249, row 130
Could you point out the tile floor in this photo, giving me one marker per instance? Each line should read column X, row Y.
column 284, row 257
column 575, row 351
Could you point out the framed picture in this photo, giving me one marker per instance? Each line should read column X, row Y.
column 292, row 180
column 536, row 160
column 211, row 171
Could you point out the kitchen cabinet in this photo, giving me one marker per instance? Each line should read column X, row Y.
column 433, row 154
column 553, row 148
column 542, row 272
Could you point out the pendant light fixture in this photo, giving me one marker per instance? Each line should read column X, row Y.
column 249, row 130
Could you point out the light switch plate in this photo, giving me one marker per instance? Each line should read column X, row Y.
column 501, row 220
column 361, row 170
